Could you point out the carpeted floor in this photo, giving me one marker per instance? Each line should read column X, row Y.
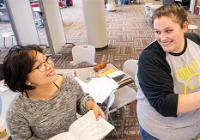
column 127, row 36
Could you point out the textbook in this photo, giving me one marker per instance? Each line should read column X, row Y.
column 86, row 128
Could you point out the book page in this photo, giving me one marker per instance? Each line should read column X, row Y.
column 63, row 136
column 87, row 128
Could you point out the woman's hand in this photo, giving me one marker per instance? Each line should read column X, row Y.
column 97, row 110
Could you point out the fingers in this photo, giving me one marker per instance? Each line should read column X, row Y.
column 98, row 112
column 102, row 115
column 97, row 116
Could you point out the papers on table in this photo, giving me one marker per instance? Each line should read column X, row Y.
column 99, row 88
column 3, row 87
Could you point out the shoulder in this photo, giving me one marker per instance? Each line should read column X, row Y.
column 16, row 105
column 69, row 81
column 152, row 54
column 194, row 37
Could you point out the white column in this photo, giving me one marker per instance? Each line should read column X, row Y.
column 95, row 23
column 111, row 6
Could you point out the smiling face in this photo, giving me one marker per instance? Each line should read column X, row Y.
column 37, row 78
column 169, row 34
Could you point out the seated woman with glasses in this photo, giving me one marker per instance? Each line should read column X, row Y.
column 47, row 102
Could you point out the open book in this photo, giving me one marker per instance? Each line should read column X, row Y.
column 86, row 128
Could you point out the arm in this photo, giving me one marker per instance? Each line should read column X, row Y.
column 188, row 102
column 86, row 103
column 18, row 126
column 156, row 83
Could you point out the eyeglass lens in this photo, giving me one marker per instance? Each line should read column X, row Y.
column 42, row 66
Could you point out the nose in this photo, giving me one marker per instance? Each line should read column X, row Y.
column 163, row 36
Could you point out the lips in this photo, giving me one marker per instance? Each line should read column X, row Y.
column 166, row 43
column 51, row 73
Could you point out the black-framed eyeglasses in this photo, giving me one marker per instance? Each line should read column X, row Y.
column 42, row 67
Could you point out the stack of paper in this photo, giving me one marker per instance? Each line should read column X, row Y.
column 100, row 88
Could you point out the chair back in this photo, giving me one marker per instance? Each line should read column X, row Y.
column 151, row 12
column 3, row 10
column 83, row 53
column 131, row 67
column 109, row 103
column 146, row 10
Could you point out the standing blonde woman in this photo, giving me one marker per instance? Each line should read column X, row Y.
column 169, row 79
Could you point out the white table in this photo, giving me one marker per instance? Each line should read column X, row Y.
column 154, row 6
column 192, row 27
column 83, row 73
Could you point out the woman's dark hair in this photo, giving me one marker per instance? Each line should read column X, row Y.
column 174, row 11
column 17, row 65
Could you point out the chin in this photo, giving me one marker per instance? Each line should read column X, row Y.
column 55, row 77
column 166, row 49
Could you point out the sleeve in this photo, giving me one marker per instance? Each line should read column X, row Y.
column 82, row 98
column 19, row 126
column 157, row 84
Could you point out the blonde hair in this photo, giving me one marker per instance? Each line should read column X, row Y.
column 175, row 12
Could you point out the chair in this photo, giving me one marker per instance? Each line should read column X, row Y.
column 147, row 13
column 151, row 14
column 126, row 94
column 107, row 112
column 5, row 35
column 38, row 19
column 4, row 15
column 1, row 16
column 83, row 53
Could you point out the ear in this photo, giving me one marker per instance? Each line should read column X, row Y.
column 28, row 83
column 185, row 26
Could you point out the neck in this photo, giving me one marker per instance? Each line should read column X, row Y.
column 43, row 92
column 182, row 45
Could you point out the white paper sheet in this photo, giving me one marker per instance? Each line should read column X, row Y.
column 3, row 87
column 100, row 88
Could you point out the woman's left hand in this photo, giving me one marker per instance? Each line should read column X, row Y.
column 97, row 110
